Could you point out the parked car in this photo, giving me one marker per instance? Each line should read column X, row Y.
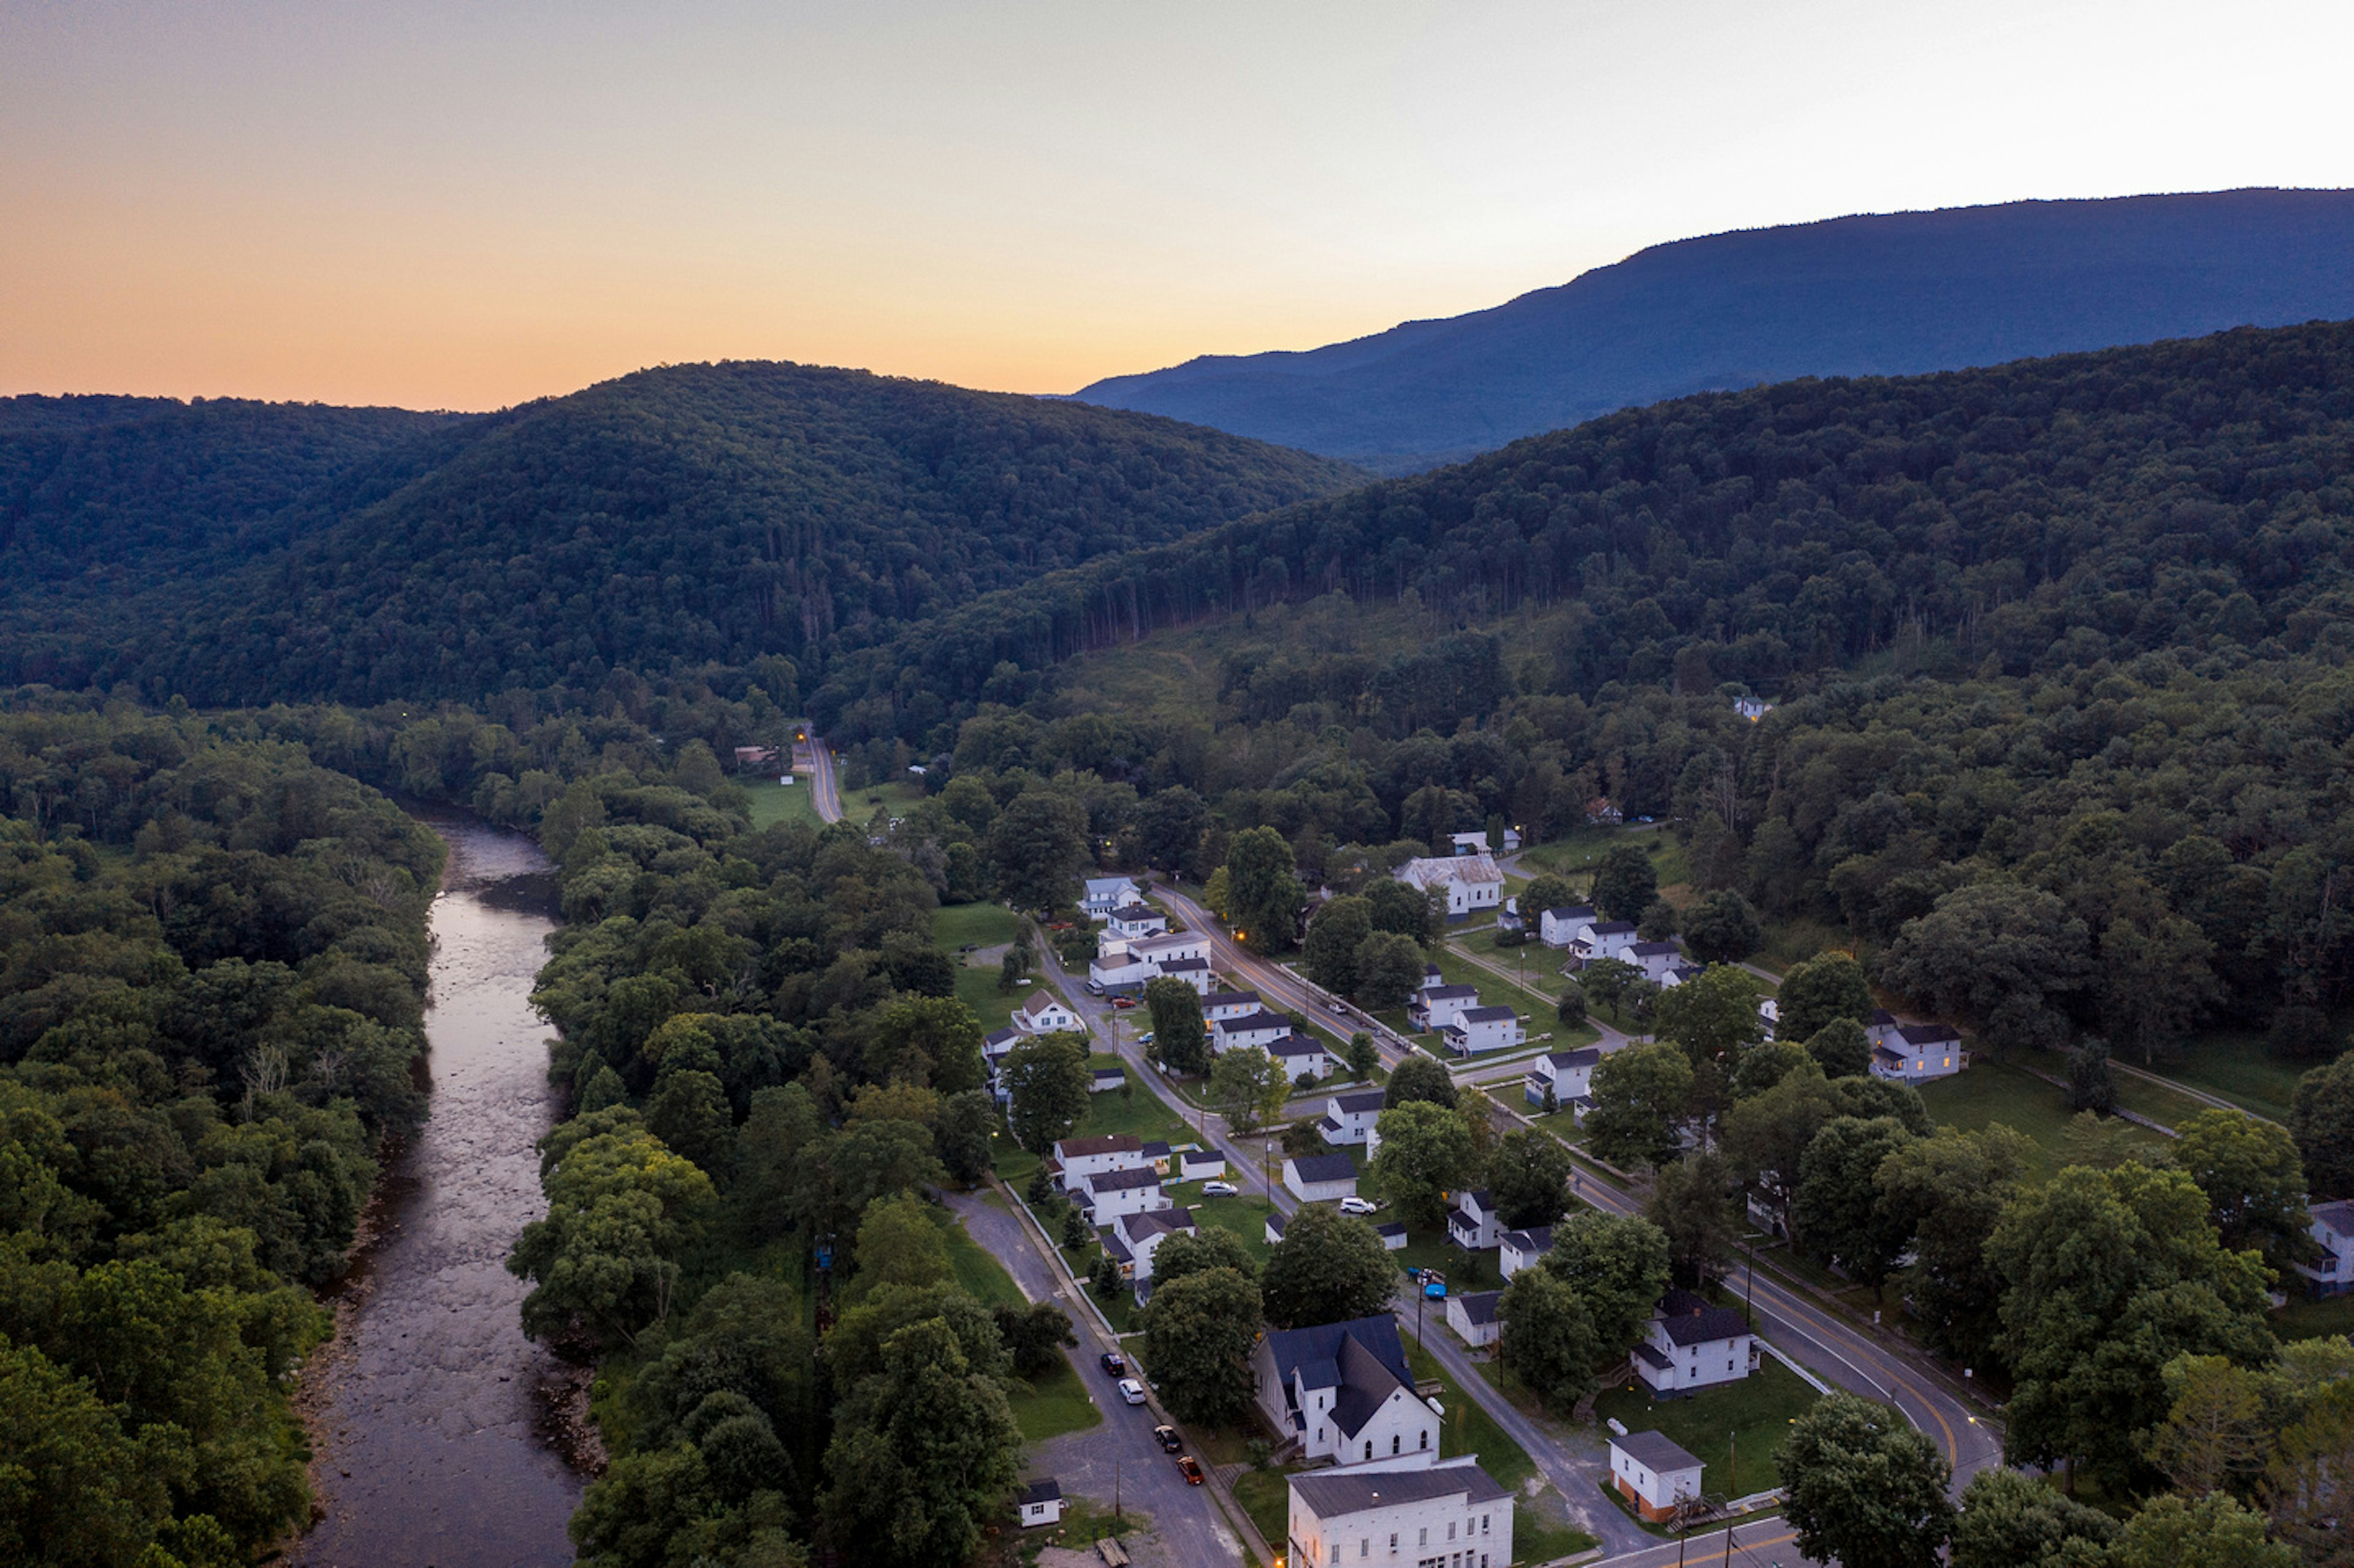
column 1169, row 1442
column 1145, row 1038
column 1190, row 1469
column 1122, row 1003
column 1355, row 1206
column 1435, row 1291
column 1114, row 1363
column 1219, row 1190
column 1336, row 1007
column 1095, row 987
column 1132, row 1390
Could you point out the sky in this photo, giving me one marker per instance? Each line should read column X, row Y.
column 466, row 206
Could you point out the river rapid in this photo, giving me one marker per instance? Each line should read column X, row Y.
column 428, row 1410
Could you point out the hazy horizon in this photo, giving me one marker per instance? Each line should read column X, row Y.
column 465, row 207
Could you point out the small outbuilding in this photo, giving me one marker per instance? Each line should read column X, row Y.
column 1039, row 1502
column 1321, row 1178
column 1654, row 1474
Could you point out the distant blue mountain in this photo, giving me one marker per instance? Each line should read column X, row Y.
column 1891, row 295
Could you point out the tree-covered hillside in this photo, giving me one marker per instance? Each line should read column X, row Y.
column 2059, row 510
column 693, row 514
column 1887, row 294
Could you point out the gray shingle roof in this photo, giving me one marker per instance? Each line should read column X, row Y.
column 2337, row 1216
column 1689, row 1319
column 1046, row 1489
column 1486, row 1014
column 1654, row 1452
column 1480, row 1306
column 1324, row 1168
column 1122, row 1180
column 1358, row 1103
column 1334, row 1493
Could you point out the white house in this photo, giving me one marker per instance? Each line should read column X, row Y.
column 996, row 1047
column 1348, row 1119
column 1104, row 1080
column 1224, row 1004
column 1076, row 1158
column 1039, row 1502
column 1171, row 947
column 1471, row 1224
column 1569, row 1074
column 1116, row 969
column 1473, row 1318
column 1261, row 1029
column 1602, row 939
column 1517, row 1250
column 1449, row 1513
column 1469, row 843
column 1302, row 1054
column 1477, row 1029
column 1194, row 972
column 1690, row 1344
column 1653, row 1473
column 1105, row 893
column 1912, row 1052
column 1435, row 1007
column 1200, row 1164
column 1134, row 1239
column 1106, row 1195
column 1134, row 922
column 1470, row 883
column 1344, row 1392
column 1046, row 1013
column 1559, row 927
column 2333, row 1229
column 1658, row 960
column 1321, row 1178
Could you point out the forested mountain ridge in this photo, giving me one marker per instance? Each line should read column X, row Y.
column 1887, row 294
column 2061, row 509
column 689, row 514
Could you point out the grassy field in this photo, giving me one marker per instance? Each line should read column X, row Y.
column 1995, row 1091
column 1265, row 1496
column 1789, row 941
column 2242, row 1069
column 2305, row 1317
column 857, row 805
column 1045, row 1406
column 1539, row 1535
column 1138, row 1110
column 1467, row 1429
column 1245, row 1217
column 773, row 802
column 1746, row 1420
column 980, row 925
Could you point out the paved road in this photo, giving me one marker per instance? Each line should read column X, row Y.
column 1120, row 1455
column 825, row 790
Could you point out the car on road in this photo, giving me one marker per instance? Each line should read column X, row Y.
column 1190, row 1469
column 1219, row 1190
column 1132, row 1390
column 1122, row 1003
column 1167, row 1436
column 1360, row 1206
column 1114, row 1363
column 1145, row 1038
column 1095, row 987
column 1336, row 1007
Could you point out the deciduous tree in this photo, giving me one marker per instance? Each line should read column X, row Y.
column 1263, row 891
column 1722, row 930
column 1818, row 990
column 1180, row 1039
column 1048, row 1083
column 1199, row 1329
column 1625, row 885
column 1389, row 968
column 1329, row 952
column 1426, row 1150
column 1248, row 1087
column 1549, row 1340
column 1861, row 1486
column 2253, row 1181
column 1528, row 1176
column 2321, row 1120
column 1419, row 1077
column 1639, row 1105
column 1329, row 1267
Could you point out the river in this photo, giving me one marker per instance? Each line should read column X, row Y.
column 427, row 1412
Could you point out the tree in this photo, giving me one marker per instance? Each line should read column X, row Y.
column 1104, row 1278
column 1547, row 891
column 1330, row 951
column 1199, row 1329
column 1179, row 1037
column 1389, row 970
column 1840, row 1048
column 2109, row 1274
column 1168, row 827
column 689, row 1112
column 1947, row 1193
column 1605, row 981
column 1689, row 1203
column 1426, row 1150
column 2321, row 1120
column 622, row 1210
column 1658, row 922
column 1362, row 1055
column 875, row 1158
column 2091, row 1086
column 1074, row 1232
column 1330, row 1268
column 1764, row 1065
column 1618, row 1264
column 961, row 1138
column 1012, row 968
column 1625, row 885
column 1263, row 891
column 2254, row 1181
column 2007, row 956
column 79, row 1489
column 1038, row 845
column 1818, row 990
column 1249, row 1086
column 1047, row 1084
column 1401, row 910
column 1571, row 1009
column 1713, row 1015
column 1860, row 1484
column 2012, row 1521
column 923, row 1451
column 1639, row 1105
column 2216, row 1531
column 1211, row 1248
column 1036, row 1336
column 1419, row 1077
column 1722, row 930
column 1837, row 1217
column 2155, row 983
column 1548, row 1337
column 932, row 1040
column 1528, row 1176
column 898, row 1244
column 2213, row 1437
column 2309, row 1474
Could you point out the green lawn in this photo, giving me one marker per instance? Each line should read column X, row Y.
column 1245, row 1217
column 980, row 925
column 857, row 805
column 1992, row 1091
column 1467, row 1429
column 773, row 802
column 2307, row 1317
column 1051, row 1403
column 2241, row 1068
column 1265, row 1496
column 1138, row 1111
column 980, row 1275
column 1748, row 1418
column 1541, row 1535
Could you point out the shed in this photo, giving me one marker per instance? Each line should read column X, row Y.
column 1039, row 1502
column 1321, row 1178
column 1651, row 1472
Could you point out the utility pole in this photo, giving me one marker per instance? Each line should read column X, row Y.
column 1749, row 1291
column 1731, row 1466
column 1728, row 1542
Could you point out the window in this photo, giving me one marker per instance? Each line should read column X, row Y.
column 1365, row 1546
column 1424, row 1538
column 1450, row 1530
column 1426, row 1436
column 1483, row 1524
column 1368, row 1448
column 1393, row 1442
